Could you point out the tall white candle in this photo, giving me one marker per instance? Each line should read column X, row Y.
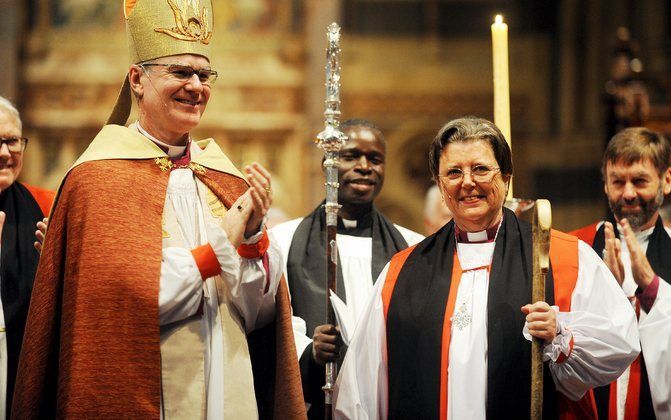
column 501, row 81
column 501, row 78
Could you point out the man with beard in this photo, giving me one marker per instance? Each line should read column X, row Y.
column 21, row 207
column 366, row 242
column 636, row 247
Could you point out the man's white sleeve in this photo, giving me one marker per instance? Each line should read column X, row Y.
column 250, row 287
column 181, row 286
column 655, row 331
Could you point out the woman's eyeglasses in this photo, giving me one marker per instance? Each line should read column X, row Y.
column 479, row 173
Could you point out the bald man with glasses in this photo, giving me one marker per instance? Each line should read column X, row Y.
column 21, row 208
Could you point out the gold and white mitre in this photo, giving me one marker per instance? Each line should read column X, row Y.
column 161, row 28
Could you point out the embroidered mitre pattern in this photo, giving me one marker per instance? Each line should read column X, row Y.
column 161, row 28
column 191, row 20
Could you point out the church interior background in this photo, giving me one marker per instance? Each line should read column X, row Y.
column 407, row 65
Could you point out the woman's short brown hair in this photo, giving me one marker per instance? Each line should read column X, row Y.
column 470, row 129
column 637, row 144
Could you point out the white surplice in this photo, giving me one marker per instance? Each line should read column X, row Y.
column 655, row 334
column 468, row 346
column 182, row 287
column 654, row 329
column 601, row 322
column 356, row 257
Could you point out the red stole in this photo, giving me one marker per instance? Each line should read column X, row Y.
column 587, row 233
column 631, row 405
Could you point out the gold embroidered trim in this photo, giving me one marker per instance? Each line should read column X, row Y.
column 196, row 167
column 166, row 165
column 189, row 28
column 163, row 163
column 217, row 208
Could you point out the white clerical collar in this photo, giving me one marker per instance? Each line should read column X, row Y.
column 170, row 150
column 487, row 235
column 349, row 224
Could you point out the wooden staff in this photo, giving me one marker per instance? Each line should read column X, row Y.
column 331, row 140
column 542, row 223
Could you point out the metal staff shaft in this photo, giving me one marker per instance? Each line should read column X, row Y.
column 331, row 140
column 542, row 222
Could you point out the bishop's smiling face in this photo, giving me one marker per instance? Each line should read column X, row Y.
column 170, row 108
column 361, row 171
column 475, row 205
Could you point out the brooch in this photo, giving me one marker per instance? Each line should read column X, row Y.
column 164, row 164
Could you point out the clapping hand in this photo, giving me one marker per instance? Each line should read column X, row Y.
column 640, row 267
column 612, row 251
column 40, row 233
column 259, row 181
column 245, row 216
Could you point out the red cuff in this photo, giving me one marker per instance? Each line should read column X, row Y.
column 648, row 295
column 562, row 357
column 257, row 250
column 206, row 260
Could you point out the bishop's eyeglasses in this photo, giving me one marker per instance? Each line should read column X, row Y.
column 184, row 73
column 14, row 144
column 479, row 173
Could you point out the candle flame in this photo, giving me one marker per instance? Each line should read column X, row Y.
column 498, row 19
